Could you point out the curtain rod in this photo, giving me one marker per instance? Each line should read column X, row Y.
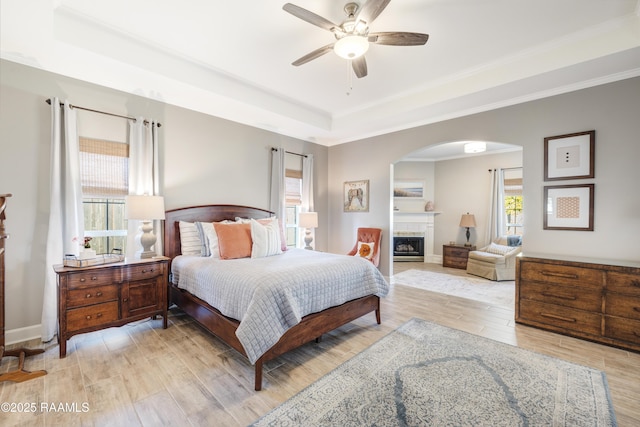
column 289, row 152
column 146, row 122
column 507, row 169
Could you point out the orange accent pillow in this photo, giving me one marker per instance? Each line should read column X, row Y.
column 234, row 240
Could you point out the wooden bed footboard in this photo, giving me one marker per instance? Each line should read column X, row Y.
column 311, row 327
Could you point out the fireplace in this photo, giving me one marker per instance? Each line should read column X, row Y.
column 408, row 248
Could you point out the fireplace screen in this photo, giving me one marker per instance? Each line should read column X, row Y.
column 408, row 246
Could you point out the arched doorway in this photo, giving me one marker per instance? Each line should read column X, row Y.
column 452, row 183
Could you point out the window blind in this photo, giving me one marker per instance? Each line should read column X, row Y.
column 104, row 168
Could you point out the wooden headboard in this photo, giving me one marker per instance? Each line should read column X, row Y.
column 208, row 213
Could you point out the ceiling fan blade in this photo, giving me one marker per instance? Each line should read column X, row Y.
column 313, row 55
column 309, row 16
column 396, row 38
column 359, row 67
column 370, row 10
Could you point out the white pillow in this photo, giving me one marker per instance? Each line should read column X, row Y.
column 190, row 242
column 496, row 249
column 265, row 239
column 365, row 249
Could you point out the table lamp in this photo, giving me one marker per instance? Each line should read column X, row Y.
column 468, row 221
column 145, row 209
column 308, row 220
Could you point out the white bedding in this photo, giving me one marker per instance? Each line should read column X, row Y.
column 270, row 295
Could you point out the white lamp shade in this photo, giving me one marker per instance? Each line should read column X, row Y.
column 308, row 220
column 351, row 47
column 144, row 207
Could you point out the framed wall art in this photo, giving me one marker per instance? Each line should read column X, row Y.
column 408, row 189
column 570, row 156
column 356, row 196
column 568, row 207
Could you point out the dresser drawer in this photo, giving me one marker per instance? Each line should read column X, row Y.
column 563, row 317
column 623, row 283
column 569, row 296
column 91, row 295
column 622, row 306
column 143, row 271
column 456, row 252
column 93, row 315
column 622, row 329
column 456, row 262
column 561, row 274
column 85, row 278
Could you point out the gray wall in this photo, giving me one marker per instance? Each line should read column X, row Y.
column 611, row 109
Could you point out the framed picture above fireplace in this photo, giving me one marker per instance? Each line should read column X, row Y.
column 408, row 189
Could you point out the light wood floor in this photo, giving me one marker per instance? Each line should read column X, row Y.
column 141, row 374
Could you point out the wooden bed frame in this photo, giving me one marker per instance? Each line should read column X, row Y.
column 310, row 328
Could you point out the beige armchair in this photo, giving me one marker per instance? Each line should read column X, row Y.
column 496, row 261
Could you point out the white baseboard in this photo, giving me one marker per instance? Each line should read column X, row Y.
column 14, row 336
column 433, row 259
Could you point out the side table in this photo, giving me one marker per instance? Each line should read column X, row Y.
column 456, row 256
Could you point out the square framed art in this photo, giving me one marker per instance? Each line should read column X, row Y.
column 356, row 196
column 568, row 207
column 570, row 156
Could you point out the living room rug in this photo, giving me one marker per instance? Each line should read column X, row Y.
column 424, row 374
column 470, row 287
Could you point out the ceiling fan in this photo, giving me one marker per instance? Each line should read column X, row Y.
column 352, row 35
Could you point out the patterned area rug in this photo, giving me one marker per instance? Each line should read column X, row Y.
column 424, row 374
column 470, row 287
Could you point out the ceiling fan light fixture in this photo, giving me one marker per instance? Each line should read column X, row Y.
column 475, row 147
column 351, row 47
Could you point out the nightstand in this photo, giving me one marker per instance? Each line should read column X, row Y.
column 102, row 296
column 456, row 256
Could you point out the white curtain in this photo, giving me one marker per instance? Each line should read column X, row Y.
column 277, row 200
column 307, row 193
column 66, row 217
column 307, row 183
column 497, row 219
column 143, row 175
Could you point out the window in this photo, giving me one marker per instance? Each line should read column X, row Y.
column 293, row 194
column 104, row 171
column 513, row 201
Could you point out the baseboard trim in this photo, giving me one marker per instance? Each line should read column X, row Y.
column 15, row 336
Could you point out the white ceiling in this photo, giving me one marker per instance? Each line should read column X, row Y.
column 232, row 59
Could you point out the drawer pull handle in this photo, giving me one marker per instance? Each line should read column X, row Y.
column 98, row 294
column 147, row 271
column 99, row 315
column 125, row 299
column 553, row 316
column 88, row 317
column 82, row 279
column 563, row 275
column 88, row 296
column 567, row 297
column 94, row 277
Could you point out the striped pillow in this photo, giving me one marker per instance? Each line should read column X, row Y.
column 190, row 242
column 265, row 238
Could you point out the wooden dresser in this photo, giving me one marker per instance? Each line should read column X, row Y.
column 581, row 298
column 102, row 296
column 456, row 256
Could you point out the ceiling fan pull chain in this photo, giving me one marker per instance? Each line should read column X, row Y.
column 349, row 78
